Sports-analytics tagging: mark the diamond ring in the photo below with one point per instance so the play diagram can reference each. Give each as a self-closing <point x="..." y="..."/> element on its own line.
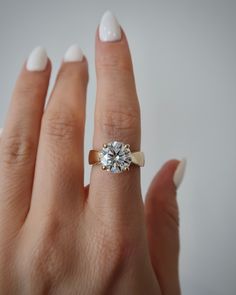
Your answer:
<point x="116" y="157"/>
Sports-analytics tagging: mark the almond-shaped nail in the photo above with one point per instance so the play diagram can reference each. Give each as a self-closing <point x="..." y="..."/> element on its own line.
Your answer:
<point x="37" y="61"/>
<point x="73" y="54"/>
<point x="179" y="173"/>
<point x="109" y="28"/>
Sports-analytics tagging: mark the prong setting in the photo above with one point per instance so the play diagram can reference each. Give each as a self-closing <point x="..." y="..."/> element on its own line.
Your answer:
<point x="115" y="157"/>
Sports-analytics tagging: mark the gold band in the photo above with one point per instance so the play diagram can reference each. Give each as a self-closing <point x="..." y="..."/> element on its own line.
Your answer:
<point x="137" y="158"/>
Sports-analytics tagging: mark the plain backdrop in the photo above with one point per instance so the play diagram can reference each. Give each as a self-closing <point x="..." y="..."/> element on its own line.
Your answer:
<point x="185" y="66"/>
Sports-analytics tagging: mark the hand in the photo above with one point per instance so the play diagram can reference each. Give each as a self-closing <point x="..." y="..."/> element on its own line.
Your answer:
<point x="58" y="236"/>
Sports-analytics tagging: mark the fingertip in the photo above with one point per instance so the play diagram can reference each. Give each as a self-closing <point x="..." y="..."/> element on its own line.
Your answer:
<point x="122" y="43"/>
<point x="73" y="54"/>
<point x="75" y="61"/>
<point x="37" y="60"/>
<point x="113" y="55"/>
<point x="122" y="39"/>
<point x="179" y="173"/>
<point x="49" y="65"/>
<point x="169" y="167"/>
<point x="109" y="28"/>
<point x="45" y="72"/>
<point x="74" y="66"/>
<point x="163" y="179"/>
<point x="33" y="83"/>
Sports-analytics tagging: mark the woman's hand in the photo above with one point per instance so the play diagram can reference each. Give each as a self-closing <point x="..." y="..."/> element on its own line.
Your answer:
<point x="57" y="236"/>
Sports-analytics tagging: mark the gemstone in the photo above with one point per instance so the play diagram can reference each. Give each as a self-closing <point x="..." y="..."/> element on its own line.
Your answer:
<point x="115" y="157"/>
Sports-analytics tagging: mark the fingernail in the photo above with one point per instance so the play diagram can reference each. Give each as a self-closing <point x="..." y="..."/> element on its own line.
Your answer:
<point x="109" y="29"/>
<point x="179" y="173"/>
<point x="37" y="61"/>
<point x="73" y="53"/>
<point x="1" y="130"/>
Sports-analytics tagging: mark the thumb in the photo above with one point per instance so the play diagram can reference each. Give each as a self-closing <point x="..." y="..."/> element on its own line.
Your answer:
<point x="162" y="220"/>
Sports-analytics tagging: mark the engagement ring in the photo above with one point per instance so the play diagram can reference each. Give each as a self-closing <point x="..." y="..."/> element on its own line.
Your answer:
<point x="116" y="157"/>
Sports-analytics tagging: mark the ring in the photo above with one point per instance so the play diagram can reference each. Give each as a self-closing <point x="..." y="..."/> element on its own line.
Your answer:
<point x="116" y="157"/>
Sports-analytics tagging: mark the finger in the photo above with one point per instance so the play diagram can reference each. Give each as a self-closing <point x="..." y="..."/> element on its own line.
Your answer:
<point x="59" y="167"/>
<point x="117" y="117"/>
<point x="161" y="211"/>
<point x="19" y="140"/>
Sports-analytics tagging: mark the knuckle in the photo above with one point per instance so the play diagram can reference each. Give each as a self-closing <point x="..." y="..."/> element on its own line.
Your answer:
<point x="47" y="259"/>
<point x="113" y="62"/>
<point x="60" y="125"/>
<point x="114" y="251"/>
<point x="111" y="244"/>
<point x="120" y="122"/>
<point x="32" y="88"/>
<point x="18" y="150"/>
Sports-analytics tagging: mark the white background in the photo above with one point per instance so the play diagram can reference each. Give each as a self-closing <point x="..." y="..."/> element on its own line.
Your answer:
<point x="185" y="66"/>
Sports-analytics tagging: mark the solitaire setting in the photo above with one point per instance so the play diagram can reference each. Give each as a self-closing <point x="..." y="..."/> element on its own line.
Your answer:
<point x="116" y="157"/>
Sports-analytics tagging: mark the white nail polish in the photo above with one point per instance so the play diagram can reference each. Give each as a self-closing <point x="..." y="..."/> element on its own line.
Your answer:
<point x="109" y="29"/>
<point x="37" y="61"/>
<point x="73" y="53"/>
<point x="1" y="130"/>
<point x="179" y="173"/>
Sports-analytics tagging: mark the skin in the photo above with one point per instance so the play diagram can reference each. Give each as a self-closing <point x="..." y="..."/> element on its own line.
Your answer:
<point x="59" y="237"/>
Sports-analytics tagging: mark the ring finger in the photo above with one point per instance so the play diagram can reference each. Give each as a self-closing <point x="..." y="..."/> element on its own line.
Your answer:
<point x="117" y="117"/>
<point x="58" y="184"/>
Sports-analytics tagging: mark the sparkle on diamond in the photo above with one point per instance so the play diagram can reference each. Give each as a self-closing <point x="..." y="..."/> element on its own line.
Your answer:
<point x="115" y="157"/>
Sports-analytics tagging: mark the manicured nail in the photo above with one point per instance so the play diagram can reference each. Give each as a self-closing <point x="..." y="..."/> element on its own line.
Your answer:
<point x="179" y="173"/>
<point x="1" y="130"/>
<point x="109" y="29"/>
<point x="73" y="53"/>
<point x="37" y="61"/>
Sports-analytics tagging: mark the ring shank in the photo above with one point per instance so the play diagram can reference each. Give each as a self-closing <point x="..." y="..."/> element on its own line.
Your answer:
<point x="137" y="158"/>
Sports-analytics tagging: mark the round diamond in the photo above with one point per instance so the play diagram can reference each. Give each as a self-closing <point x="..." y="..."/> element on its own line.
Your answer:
<point x="115" y="157"/>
